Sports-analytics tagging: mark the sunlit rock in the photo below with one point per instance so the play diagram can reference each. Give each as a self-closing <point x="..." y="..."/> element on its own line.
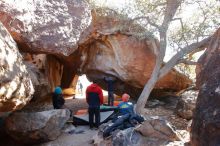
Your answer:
<point x="16" y="88"/>
<point x="36" y="127"/>
<point x="45" y="26"/>
<point x="106" y="45"/>
<point x="111" y="47"/>
<point x="159" y="129"/>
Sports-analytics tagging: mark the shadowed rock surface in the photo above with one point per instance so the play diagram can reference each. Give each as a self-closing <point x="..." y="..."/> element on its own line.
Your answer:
<point x="186" y="104"/>
<point x="36" y="127"/>
<point x="45" y="26"/>
<point x="205" y="126"/>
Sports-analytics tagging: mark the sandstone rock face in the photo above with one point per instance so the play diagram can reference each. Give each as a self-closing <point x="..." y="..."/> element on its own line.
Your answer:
<point x="108" y="50"/>
<point x="45" y="26"/>
<point x="159" y="129"/>
<point x="54" y="71"/>
<point x="36" y="68"/>
<point x="152" y="132"/>
<point x="46" y="73"/>
<point x="128" y="137"/>
<point x="121" y="59"/>
<point x="187" y="104"/>
<point x="105" y="46"/>
<point x="16" y="88"/>
<point x="36" y="127"/>
<point x="38" y="60"/>
<point x="51" y="27"/>
<point x="205" y="126"/>
<point x="40" y="82"/>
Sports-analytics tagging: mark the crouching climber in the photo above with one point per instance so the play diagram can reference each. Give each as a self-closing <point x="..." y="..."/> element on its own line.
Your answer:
<point x="57" y="98"/>
<point x="94" y="98"/>
<point x="125" y="118"/>
<point x="125" y="107"/>
<point x="123" y="122"/>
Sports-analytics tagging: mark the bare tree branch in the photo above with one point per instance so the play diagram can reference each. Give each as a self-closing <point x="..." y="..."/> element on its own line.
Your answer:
<point x="183" y="36"/>
<point x="159" y="71"/>
<point x="173" y="61"/>
<point x="170" y="11"/>
<point x="159" y="4"/>
<point x="148" y="20"/>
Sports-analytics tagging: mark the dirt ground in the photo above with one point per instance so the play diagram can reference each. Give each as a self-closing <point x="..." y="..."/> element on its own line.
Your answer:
<point x="76" y="104"/>
<point x="85" y="136"/>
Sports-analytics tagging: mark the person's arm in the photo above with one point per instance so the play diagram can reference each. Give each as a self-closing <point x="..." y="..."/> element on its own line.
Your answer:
<point x="100" y="96"/>
<point x="87" y="94"/>
<point x="119" y="105"/>
<point x="62" y="99"/>
<point x="131" y="107"/>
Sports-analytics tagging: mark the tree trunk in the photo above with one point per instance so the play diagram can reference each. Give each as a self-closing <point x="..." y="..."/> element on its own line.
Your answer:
<point x="160" y="71"/>
<point x="145" y="94"/>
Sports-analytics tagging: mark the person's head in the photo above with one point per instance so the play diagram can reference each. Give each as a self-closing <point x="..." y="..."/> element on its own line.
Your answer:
<point x="94" y="81"/>
<point x="58" y="90"/>
<point x="125" y="97"/>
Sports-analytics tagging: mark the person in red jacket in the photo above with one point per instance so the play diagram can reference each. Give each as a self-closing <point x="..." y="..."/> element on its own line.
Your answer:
<point x="94" y="98"/>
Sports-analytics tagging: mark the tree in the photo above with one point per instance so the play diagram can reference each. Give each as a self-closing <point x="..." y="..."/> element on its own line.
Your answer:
<point x="165" y="19"/>
<point x="161" y="69"/>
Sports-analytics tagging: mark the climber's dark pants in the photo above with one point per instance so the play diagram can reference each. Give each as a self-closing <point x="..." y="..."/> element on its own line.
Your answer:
<point x="110" y="98"/>
<point x="94" y="111"/>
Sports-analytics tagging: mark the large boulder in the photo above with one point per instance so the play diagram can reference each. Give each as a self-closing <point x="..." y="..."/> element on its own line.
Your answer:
<point x="97" y="44"/>
<point x="51" y="27"/>
<point x="110" y="47"/>
<point x="158" y="129"/>
<point x="128" y="137"/>
<point x="45" y="26"/>
<point x="36" y="68"/>
<point x="16" y="88"/>
<point x="152" y="132"/>
<point x="36" y="127"/>
<point x="205" y="130"/>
